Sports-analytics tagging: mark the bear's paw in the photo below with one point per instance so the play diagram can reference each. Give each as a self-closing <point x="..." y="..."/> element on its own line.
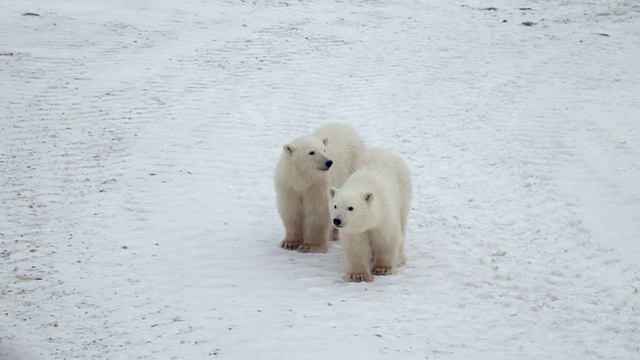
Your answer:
<point x="358" y="277"/>
<point x="382" y="270"/>
<point x="311" y="248"/>
<point x="290" y="244"/>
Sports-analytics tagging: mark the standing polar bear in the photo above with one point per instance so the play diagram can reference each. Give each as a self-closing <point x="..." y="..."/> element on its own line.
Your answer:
<point x="307" y="166"/>
<point x="371" y="210"/>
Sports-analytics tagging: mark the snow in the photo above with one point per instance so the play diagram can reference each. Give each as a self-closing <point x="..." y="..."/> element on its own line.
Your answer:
<point x="138" y="142"/>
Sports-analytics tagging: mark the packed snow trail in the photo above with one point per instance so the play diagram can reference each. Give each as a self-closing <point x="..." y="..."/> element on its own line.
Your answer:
<point x="138" y="143"/>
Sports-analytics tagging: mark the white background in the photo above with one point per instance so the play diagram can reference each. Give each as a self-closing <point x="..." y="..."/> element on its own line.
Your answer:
<point x="138" y="141"/>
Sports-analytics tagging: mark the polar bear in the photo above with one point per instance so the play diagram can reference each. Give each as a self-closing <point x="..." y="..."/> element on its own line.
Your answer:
<point x="307" y="166"/>
<point x="370" y="210"/>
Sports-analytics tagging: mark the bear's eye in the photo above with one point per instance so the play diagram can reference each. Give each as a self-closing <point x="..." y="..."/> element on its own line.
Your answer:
<point x="350" y="208"/>
<point x="312" y="152"/>
<point x="335" y="206"/>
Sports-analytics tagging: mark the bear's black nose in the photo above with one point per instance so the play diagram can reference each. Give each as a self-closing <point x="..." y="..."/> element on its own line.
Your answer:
<point x="328" y="163"/>
<point x="337" y="222"/>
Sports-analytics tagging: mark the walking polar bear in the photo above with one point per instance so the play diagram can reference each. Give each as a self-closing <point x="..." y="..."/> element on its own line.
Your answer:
<point x="371" y="210"/>
<point x="308" y="165"/>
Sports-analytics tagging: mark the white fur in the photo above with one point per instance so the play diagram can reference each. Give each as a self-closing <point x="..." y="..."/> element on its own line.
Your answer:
<point x="371" y="211"/>
<point x="302" y="179"/>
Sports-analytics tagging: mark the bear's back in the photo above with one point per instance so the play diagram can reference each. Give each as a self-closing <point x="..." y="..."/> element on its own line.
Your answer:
<point x="391" y="170"/>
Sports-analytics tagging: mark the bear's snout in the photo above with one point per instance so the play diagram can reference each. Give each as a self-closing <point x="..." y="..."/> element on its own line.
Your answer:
<point x="328" y="163"/>
<point x="337" y="222"/>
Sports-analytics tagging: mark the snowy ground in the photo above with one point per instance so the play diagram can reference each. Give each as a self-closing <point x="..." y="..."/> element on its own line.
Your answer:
<point x="138" y="141"/>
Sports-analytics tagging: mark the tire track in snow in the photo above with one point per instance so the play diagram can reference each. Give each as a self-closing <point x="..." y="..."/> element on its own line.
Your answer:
<point x="531" y="153"/>
<point x="65" y="151"/>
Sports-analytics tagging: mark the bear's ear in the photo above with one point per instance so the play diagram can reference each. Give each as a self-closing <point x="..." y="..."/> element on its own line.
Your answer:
<point x="288" y="149"/>
<point x="325" y="141"/>
<point x="331" y="192"/>
<point x="368" y="197"/>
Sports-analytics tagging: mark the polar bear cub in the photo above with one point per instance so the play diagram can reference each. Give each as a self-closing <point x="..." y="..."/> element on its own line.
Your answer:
<point x="371" y="210"/>
<point x="307" y="166"/>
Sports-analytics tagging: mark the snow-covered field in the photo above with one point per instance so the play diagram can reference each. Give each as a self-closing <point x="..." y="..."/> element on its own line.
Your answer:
<point x="138" y="141"/>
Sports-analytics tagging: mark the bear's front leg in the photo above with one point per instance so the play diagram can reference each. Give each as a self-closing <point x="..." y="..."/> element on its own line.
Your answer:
<point x="316" y="238"/>
<point x="317" y="228"/>
<point x="290" y="208"/>
<point x="293" y="238"/>
<point x="358" y="251"/>
<point x="386" y="248"/>
<point x="335" y="235"/>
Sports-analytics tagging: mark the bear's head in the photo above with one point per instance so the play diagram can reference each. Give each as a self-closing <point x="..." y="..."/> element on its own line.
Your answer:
<point x="308" y="155"/>
<point x="352" y="211"/>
